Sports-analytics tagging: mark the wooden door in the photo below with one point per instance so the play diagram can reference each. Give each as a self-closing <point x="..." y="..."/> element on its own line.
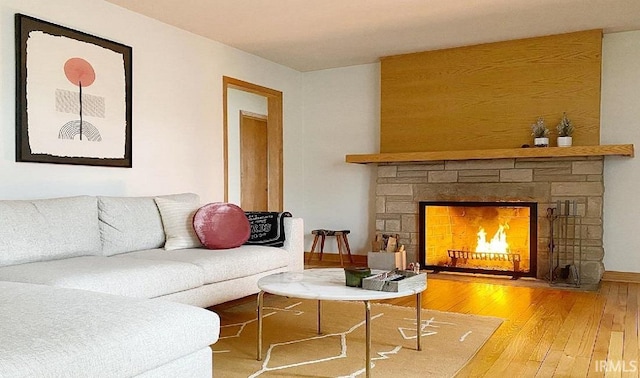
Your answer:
<point x="254" y="176"/>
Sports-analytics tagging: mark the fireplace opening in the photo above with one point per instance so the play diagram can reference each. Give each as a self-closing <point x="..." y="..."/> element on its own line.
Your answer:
<point x="479" y="237"/>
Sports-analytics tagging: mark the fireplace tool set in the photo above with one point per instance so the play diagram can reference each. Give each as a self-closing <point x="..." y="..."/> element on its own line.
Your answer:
<point x="565" y="244"/>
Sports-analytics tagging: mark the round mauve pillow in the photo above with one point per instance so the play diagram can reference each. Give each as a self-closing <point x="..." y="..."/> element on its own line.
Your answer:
<point x="221" y="225"/>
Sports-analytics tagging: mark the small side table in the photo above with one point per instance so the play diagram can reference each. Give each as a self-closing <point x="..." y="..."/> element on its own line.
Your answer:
<point x="341" y="239"/>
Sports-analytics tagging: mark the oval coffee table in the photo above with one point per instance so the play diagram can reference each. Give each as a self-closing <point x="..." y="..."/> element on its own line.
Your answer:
<point x="328" y="284"/>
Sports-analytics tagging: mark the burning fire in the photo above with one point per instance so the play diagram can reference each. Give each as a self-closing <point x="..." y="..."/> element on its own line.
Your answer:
<point x="498" y="243"/>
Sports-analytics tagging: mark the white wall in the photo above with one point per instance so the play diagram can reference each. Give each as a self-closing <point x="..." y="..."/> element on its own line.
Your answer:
<point x="177" y="108"/>
<point x="237" y="101"/>
<point x="341" y="116"/>
<point x="620" y="123"/>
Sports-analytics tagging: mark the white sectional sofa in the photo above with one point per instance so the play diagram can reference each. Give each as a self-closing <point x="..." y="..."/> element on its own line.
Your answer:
<point x="86" y="288"/>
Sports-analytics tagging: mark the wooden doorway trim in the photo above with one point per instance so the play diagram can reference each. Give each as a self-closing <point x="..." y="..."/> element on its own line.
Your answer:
<point x="274" y="137"/>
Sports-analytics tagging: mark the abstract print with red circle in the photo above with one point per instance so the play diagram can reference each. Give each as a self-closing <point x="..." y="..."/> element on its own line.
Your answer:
<point x="81" y="74"/>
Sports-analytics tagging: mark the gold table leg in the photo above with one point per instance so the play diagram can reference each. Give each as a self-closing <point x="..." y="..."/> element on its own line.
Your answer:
<point x="259" y="315"/>
<point x="367" y="312"/>
<point x="419" y="321"/>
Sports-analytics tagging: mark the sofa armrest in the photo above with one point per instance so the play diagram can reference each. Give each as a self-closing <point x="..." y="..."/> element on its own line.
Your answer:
<point x="294" y="242"/>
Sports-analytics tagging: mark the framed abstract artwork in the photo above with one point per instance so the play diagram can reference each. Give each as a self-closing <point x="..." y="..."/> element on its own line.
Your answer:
<point x="73" y="96"/>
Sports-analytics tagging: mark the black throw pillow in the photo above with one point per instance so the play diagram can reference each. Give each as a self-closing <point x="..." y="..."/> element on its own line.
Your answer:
<point x="267" y="228"/>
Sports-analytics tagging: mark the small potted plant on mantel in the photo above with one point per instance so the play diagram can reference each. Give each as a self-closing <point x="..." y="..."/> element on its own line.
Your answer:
<point x="565" y="132"/>
<point x="540" y="133"/>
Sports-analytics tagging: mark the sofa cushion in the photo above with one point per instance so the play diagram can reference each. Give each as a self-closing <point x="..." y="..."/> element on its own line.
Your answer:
<point x="53" y="332"/>
<point x="177" y="221"/>
<point x="123" y="276"/>
<point x="37" y="230"/>
<point x="222" y="264"/>
<point x="133" y="223"/>
<point x="221" y="225"/>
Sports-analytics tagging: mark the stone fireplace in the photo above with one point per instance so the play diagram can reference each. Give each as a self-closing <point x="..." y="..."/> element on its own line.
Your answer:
<point x="541" y="182"/>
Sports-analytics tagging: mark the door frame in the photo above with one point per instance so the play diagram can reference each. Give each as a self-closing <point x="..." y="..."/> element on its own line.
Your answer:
<point x="274" y="138"/>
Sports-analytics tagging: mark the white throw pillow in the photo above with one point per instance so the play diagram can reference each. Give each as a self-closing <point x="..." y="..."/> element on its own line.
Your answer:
<point x="177" y="221"/>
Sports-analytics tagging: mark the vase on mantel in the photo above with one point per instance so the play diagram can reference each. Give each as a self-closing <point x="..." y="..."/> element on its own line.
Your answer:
<point x="565" y="141"/>
<point x="541" y="142"/>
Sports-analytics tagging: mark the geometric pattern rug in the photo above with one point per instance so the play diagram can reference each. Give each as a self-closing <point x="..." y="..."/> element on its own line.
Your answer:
<point x="292" y="348"/>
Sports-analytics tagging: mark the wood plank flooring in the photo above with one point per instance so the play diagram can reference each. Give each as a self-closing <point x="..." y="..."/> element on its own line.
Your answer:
<point x="548" y="332"/>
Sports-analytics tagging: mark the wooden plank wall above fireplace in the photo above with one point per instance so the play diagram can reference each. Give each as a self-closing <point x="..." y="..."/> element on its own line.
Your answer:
<point x="487" y="96"/>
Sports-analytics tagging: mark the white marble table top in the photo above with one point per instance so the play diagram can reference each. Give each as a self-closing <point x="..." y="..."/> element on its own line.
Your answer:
<point x="324" y="284"/>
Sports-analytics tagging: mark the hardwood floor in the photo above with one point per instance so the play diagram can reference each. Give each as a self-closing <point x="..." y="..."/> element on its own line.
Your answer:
<point x="547" y="332"/>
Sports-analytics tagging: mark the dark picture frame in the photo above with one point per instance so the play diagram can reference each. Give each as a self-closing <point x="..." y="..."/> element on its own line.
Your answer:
<point x="73" y="96"/>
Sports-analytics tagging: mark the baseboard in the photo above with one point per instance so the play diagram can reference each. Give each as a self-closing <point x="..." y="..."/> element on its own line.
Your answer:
<point x="621" y="276"/>
<point x="331" y="257"/>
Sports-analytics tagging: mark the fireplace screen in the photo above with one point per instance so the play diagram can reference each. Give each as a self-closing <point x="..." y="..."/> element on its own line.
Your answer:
<point x="479" y="237"/>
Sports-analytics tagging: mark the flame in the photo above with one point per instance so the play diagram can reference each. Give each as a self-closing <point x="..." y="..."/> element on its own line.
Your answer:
<point x="498" y="243"/>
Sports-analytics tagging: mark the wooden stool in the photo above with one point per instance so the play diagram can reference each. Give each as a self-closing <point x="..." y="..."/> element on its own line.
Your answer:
<point x="341" y="239"/>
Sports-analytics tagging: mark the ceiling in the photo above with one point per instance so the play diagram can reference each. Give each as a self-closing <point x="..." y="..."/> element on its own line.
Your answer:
<point x="309" y="35"/>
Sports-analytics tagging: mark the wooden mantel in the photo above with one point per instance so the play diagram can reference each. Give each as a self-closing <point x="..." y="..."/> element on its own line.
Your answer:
<point x="508" y="153"/>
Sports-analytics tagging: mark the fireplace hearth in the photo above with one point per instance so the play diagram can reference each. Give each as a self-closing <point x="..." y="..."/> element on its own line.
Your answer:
<point x="479" y="237"/>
